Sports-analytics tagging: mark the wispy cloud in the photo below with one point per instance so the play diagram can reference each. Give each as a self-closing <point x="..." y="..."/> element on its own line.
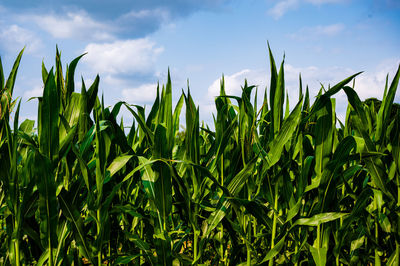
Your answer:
<point x="73" y="25"/>
<point x="98" y="19"/>
<point x="37" y="91"/>
<point x="142" y="94"/>
<point x="123" y="56"/>
<point x="283" y="6"/>
<point x="280" y="8"/>
<point x="159" y="13"/>
<point x="14" y="37"/>
<point x="307" y="33"/>
<point x="234" y="82"/>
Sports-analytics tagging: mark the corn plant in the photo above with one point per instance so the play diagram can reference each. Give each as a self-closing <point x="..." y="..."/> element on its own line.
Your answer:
<point x="269" y="185"/>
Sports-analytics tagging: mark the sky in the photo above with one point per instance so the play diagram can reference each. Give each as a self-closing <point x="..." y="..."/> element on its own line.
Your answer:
<point x="132" y="44"/>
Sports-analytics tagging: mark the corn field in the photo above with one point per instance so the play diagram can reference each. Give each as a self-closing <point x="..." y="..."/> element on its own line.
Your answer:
<point x="267" y="185"/>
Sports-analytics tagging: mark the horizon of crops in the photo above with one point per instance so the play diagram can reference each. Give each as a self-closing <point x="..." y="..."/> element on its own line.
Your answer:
<point x="269" y="185"/>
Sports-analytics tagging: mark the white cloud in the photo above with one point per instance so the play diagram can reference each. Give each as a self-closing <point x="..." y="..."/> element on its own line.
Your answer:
<point x="141" y="94"/>
<point x="127" y="56"/>
<point x="372" y="83"/>
<point x="234" y="82"/>
<point x="280" y="8"/>
<point x="368" y="84"/>
<point x="307" y="33"/>
<point x="159" y="13"/>
<point x="14" y="38"/>
<point x="37" y="91"/>
<point x="283" y="6"/>
<point x="75" y="25"/>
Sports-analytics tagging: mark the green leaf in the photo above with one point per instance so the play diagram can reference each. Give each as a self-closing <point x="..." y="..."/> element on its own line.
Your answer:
<point x="118" y="163"/>
<point x="323" y="137"/>
<point x="234" y="187"/>
<point x="27" y="126"/>
<point x="294" y="210"/>
<point x="142" y="123"/>
<point x="276" y="146"/>
<point x="126" y="259"/>
<point x="319" y="255"/>
<point x="275" y="250"/>
<point x="74" y="217"/>
<point x="100" y="161"/>
<point x="319" y="219"/>
<point x="70" y="84"/>
<point x="374" y="165"/>
<point x="383" y="119"/>
<point x="47" y="201"/>
<point x="13" y="74"/>
<point x="49" y="106"/>
<point x="92" y="94"/>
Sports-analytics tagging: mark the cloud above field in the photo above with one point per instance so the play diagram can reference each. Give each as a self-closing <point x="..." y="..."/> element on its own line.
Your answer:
<point x="283" y="6"/>
<point x="14" y="37"/>
<point x="73" y="25"/>
<point x="319" y="31"/>
<point x="372" y="83"/>
<point x="122" y="56"/>
<point x="235" y="81"/>
<point x="99" y="18"/>
<point x="131" y="44"/>
<point x="37" y="91"/>
<point x="145" y="93"/>
<point x="368" y="84"/>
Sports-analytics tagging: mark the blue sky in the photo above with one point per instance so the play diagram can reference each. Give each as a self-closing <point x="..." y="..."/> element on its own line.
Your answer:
<point x="131" y="44"/>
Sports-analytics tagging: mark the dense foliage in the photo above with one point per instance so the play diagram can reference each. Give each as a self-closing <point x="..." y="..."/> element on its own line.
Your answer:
<point x="267" y="186"/>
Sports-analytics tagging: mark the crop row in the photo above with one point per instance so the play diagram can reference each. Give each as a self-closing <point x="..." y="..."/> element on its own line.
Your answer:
<point x="269" y="185"/>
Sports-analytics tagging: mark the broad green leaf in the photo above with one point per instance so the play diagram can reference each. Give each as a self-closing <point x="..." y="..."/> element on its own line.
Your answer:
<point x="383" y="119"/>
<point x="323" y="136"/>
<point x="70" y="84"/>
<point x="276" y="146"/>
<point x="47" y="201"/>
<point x="319" y="255"/>
<point x="13" y="74"/>
<point x="49" y="107"/>
<point x="118" y="163"/>
<point x="27" y="126"/>
<point x="319" y="219"/>
<point x="126" y="259"/>
<point x="294" y="210"/>
<point x="374" y="165"/>
<point x="100" y="161"/>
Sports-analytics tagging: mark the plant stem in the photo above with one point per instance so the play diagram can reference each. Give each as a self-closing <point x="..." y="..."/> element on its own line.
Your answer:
<point x="98" y="235"/>
<point x="16" y="247"/>
<point x="398" y="223"/>
<point x="248" y="222"/>
<point x="248" y="241"/>
<point x="221" y="229"/>
<point x="195" y="243"/>
<point x="51" y="263"/>
<point x="142" y="261"/>
<point x="377" y="258"/>
<point x="274" y="221"/>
